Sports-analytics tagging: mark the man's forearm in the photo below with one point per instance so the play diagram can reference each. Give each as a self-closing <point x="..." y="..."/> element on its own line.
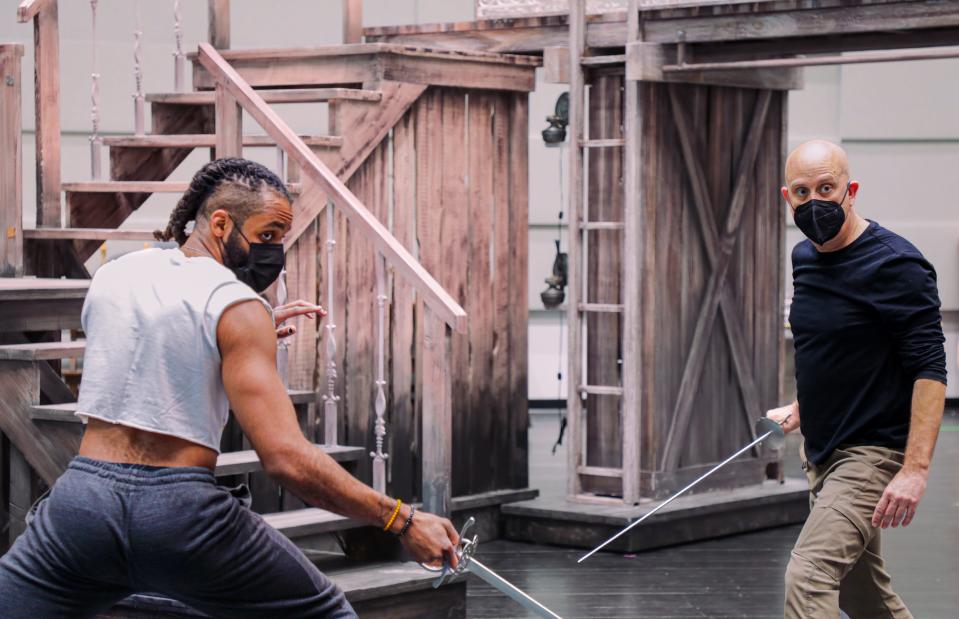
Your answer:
<point x="928" y="401"/>
<point x="319" y="480"/>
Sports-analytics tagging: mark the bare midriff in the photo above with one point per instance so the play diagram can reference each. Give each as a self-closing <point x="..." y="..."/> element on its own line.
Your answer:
<point x="118" y="443"/>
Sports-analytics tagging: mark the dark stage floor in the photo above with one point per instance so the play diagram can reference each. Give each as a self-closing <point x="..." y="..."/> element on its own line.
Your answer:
<point x="738" y="576"/>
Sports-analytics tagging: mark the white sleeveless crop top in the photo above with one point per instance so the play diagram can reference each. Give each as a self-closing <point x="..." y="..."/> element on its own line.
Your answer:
<point x="151" y="359"/>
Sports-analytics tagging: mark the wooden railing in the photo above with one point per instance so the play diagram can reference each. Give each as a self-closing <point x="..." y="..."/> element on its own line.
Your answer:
<point x="442" y="314"/>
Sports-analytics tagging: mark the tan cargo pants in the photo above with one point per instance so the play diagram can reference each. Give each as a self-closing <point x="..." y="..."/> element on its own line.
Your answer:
<point x="836" y="562"/>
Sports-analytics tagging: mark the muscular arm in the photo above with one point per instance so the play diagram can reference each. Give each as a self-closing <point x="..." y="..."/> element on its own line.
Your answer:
<point x="902" y="495"/>
<point x="247" y="342"/>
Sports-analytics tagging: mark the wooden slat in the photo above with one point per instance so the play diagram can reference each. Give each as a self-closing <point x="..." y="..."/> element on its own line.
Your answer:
<point x="11" y="174"/>
<point x="600" y="390"/>
<point x="362" y="219"/>
<point x="518" y="166"/>
<point x="140" y="187"/>
<point x="607" y="308"/>
<point x="46" y="38"/>
<point x="437" y="414"/>
<point x="603" y="143"/>
<point x="598" y="61"/>
<point x="219" y="23"/>
<point x="247" y="461"/>
<point x="273" y="97"/>
<point x="209" y="141"/>
<point x="600" y="471"/>
<point x="577" y="101"/>
<point x="601" y="225"/>
<point x="42" y="351"/>
<point x="556" y="65"/>
<point x="403" y="414"/>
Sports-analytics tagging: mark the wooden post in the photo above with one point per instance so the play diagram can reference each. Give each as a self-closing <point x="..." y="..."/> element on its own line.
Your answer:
<point x="577" y="89"/>
<point x="11" y="189"/>
<point x="229" y="124"/>
<point x="219" y="23"/>
<point x="352" y="21"/>
<point x="437" y="414"/>
<point x="46" y="39"/>
<point x="632" y="274"/>
<point x="20" y="493"/>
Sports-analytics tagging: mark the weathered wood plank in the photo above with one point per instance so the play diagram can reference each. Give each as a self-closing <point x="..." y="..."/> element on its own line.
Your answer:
<point x="517" y="443"/>
<point x="403" y="437"/>
<point x="352" y="21"/>
<point x="11" y="183"/>
<point x="46" y="38"/>
<point x="437" y="414"/>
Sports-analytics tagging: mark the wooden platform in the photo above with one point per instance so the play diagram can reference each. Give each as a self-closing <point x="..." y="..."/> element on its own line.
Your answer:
<point x="553" y="520"/>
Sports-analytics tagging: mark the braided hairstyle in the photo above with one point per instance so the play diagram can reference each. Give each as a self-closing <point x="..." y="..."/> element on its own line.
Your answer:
<point x="230" y="183"/>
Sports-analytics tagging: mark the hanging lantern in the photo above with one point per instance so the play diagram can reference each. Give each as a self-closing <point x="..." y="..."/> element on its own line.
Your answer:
<point x="555" y="294"/>
<point x="556" y="132"/>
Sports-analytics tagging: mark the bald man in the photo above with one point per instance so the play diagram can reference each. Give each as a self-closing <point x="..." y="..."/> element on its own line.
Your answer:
<point x="870" y="375"/>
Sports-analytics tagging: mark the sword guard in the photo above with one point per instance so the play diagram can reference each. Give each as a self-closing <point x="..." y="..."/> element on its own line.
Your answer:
<point x="464" y="552"/>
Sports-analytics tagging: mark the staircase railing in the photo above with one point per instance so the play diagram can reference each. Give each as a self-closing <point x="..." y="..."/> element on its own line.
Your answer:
<point x="442" y="314"/>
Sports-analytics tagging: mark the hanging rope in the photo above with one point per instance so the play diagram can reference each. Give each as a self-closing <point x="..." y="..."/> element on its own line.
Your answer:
<point x="138" y="122"/>
<point x="178" y="55"/>
<point x="95" y="140"/>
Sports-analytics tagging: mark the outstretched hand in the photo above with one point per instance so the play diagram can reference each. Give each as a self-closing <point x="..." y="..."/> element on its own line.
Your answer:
<point x="432" y="540"/>
<point x="900" y="499"/>
<point x="299" y="307"/>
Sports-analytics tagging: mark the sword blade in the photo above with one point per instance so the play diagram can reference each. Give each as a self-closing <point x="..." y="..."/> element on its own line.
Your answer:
<point x="508" y="589"/>
<point x="677" y="495"/>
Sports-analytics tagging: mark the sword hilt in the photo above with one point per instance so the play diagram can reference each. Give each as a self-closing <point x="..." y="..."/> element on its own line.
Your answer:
<point x="464" y="553"/>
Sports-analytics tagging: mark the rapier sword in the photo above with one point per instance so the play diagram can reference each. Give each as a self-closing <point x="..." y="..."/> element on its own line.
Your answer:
<point x="464" y="553"/>
<point x="766" y="426"/>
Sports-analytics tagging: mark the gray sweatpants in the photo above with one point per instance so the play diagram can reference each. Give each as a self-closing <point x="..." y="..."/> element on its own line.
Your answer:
<point x="109" y="530"/>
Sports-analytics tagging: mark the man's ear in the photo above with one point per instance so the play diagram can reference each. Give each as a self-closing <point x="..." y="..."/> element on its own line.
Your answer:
<point x="220" y="223"/>
<point x="853" y="191"/>
<point x="785" y="193"/>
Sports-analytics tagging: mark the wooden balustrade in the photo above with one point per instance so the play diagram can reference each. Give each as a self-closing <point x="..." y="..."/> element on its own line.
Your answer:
<point x="11" y="190"/>
<point x="442" y="314"/>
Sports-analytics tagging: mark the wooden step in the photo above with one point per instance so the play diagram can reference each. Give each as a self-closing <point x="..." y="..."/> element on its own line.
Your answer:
<point x="43" y="351"/>
<point x="204" y="140"/>
<point x="239" y="462"/>
<point x="273" y="96"/>
<point x="139" y="187"/>
<point x="308" y="522"/>
<point x="378" y="590"/>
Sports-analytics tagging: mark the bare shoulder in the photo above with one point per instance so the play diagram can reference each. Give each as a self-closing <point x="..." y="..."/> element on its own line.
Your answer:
<point x="245" y="324"/>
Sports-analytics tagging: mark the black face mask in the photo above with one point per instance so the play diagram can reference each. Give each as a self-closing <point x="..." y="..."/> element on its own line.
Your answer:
<point x="820" y="220"/>
<point x="259" y="266"/>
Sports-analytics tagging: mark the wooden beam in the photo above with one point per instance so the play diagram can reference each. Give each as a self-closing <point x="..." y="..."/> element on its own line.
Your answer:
<point x="352" y="21"/>
<point x="556" y="65"/>
<point x="717" y="282"/>
<point x="219" y="23"/>
<point x="11" y="165"/>
<point x="46" y="38"/>
<point x="815" y="61"/>
<point x="229" y="124"/>
<point x="369" y="226"/>
<point x="574" y="377"/>
<point x="647" y="62"/>
<point x="437" y="414"/>
<point x="632" y="264"/>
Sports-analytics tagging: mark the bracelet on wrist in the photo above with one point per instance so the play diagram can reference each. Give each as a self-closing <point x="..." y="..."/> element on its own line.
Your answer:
<point x="396" y="512"/>
<point x="408" y="523"/>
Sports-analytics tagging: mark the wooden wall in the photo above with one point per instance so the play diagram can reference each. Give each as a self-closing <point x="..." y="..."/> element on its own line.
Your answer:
<point x="451" y="184"/>
<point x="675" y="253"/>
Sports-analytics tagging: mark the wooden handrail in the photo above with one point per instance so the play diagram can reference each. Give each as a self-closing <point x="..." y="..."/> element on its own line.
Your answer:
<point x="29" y="8"/>
<point x="434" y="295"/>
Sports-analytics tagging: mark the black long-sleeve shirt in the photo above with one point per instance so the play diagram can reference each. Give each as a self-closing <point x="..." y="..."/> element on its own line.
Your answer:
<point x="866" y="324"/>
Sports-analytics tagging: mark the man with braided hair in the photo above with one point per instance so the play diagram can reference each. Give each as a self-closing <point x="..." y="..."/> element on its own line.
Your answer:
<point x="175" y="338"/>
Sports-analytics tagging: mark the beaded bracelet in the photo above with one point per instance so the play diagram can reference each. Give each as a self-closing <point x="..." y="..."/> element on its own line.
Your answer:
<point x="409" y="522"/>
<point x="396" y="512"/>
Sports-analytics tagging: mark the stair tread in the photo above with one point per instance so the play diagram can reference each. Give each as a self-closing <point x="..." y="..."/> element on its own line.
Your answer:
<point x="288" y="95"/>
<point x="358" y="582"/>
<point x="200" y="140"/>
<point x="309" y="521"/>
<point x="41" y="351"/>
<point x="139" y="187"/>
